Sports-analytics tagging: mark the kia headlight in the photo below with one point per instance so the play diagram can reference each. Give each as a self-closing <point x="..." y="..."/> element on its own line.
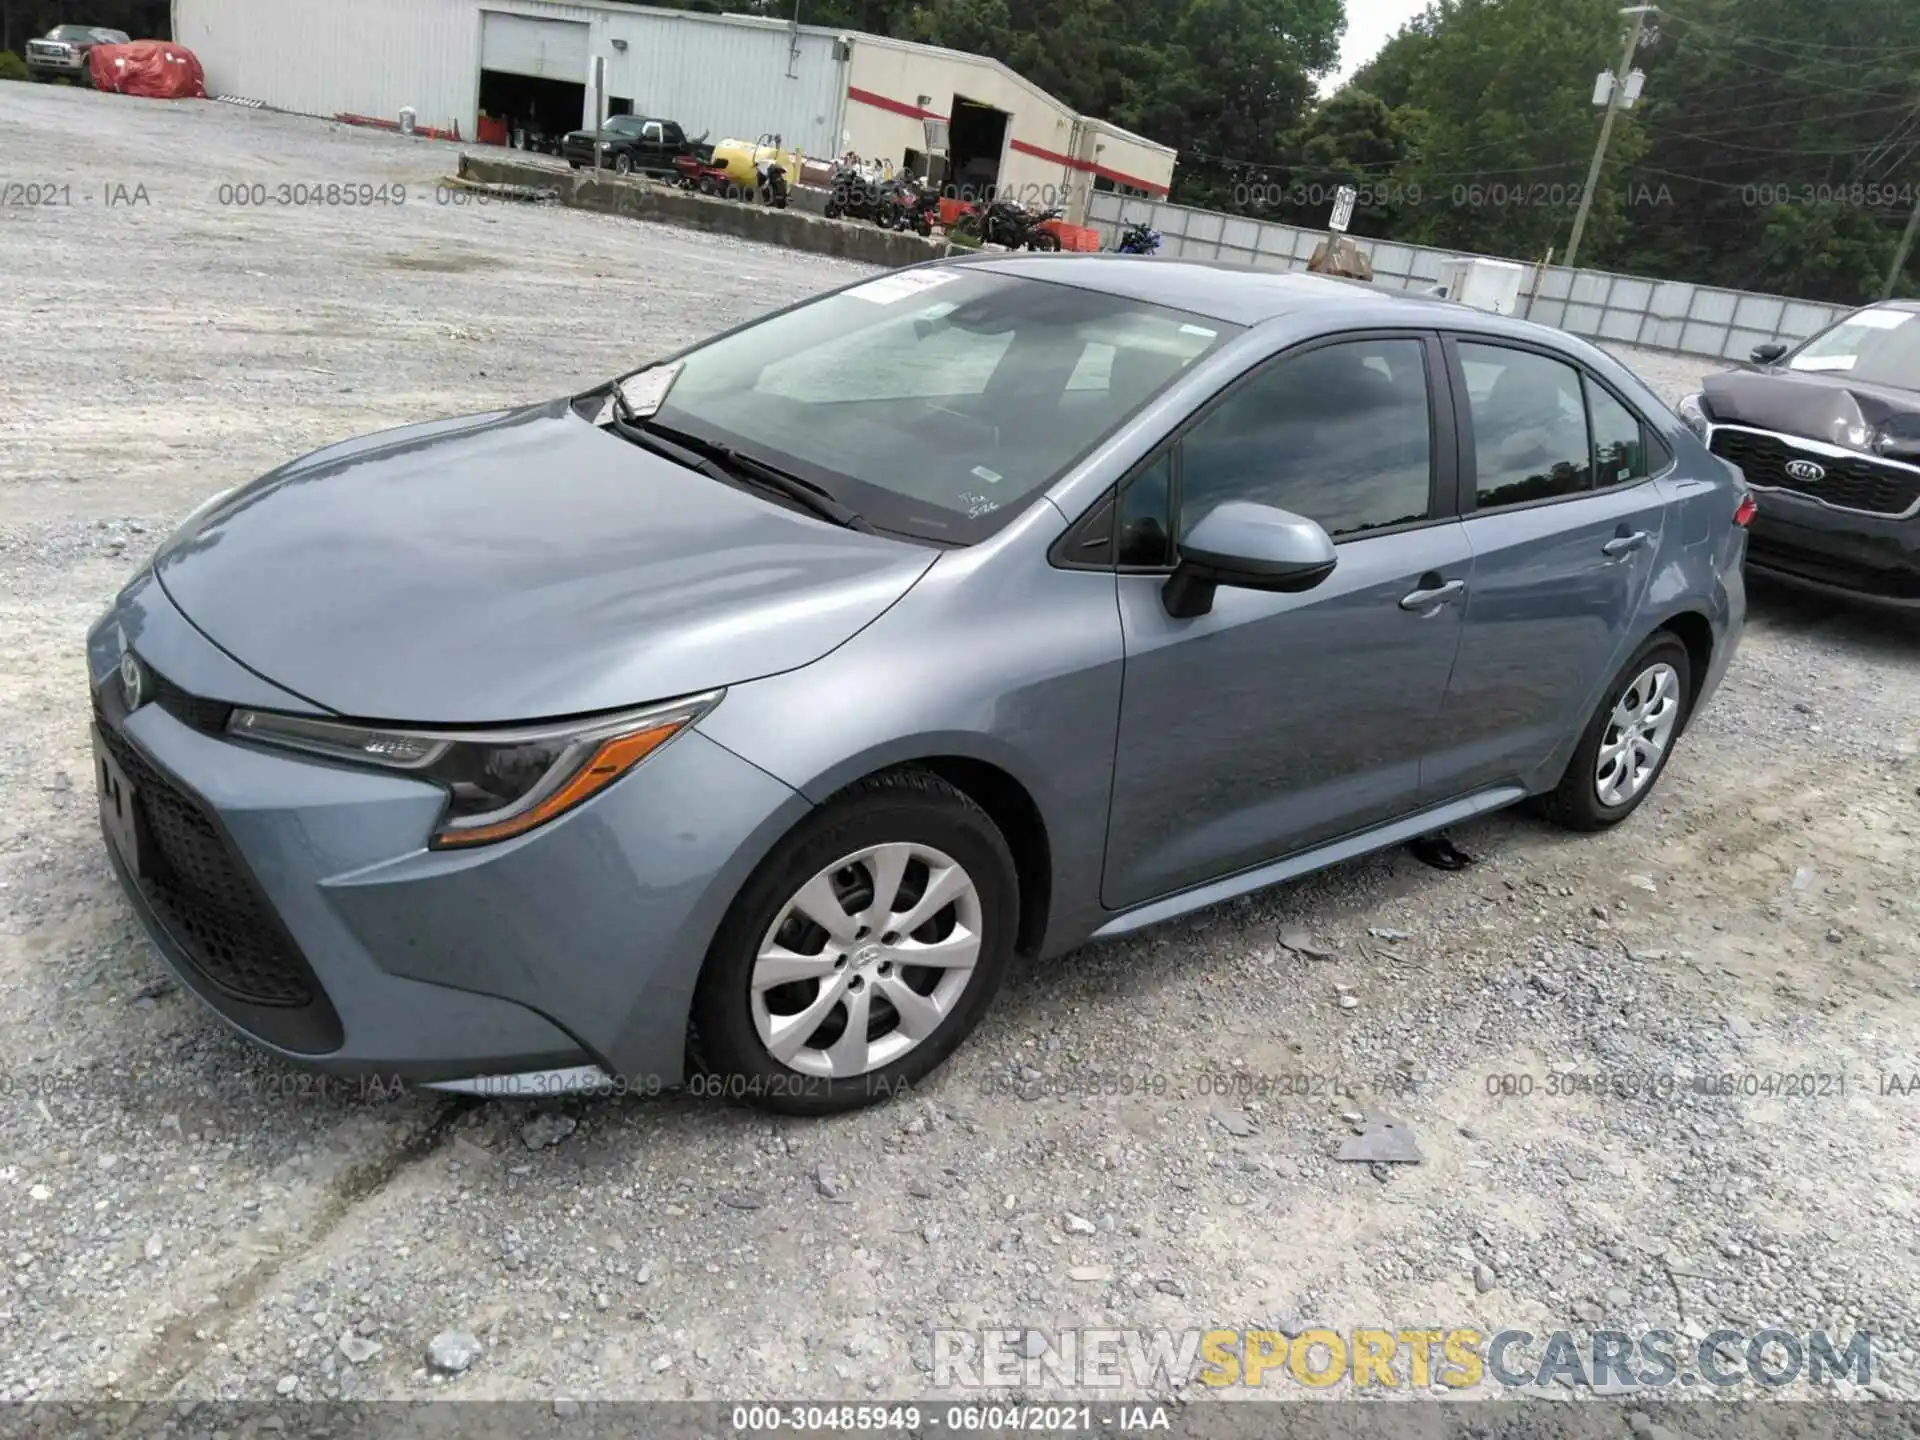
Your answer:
<point x="499" y="783"/>
<point x="1693" y="410"/>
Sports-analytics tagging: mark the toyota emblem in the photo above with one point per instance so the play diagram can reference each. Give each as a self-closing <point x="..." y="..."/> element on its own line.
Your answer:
<point x="1806" y="472"/>
<point x="133" y="680"/>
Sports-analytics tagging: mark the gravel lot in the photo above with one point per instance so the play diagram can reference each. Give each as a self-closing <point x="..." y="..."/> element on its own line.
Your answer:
<point x="180" y="1220"/>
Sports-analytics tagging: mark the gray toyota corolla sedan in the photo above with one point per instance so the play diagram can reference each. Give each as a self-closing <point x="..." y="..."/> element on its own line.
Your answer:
<point x="753" y="712"/>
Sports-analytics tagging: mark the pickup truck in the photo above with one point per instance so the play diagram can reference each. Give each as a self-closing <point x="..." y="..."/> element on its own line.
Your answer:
<point x="633" y="144"/>
<point x="61" y="54"/>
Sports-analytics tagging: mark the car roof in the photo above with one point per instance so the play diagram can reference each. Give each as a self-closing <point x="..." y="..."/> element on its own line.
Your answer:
<point x="1220" y="290"/>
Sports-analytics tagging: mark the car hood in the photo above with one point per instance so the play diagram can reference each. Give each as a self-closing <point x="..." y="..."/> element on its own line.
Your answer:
<point x="520" y="565"/>
<point x="1833" y="408"/>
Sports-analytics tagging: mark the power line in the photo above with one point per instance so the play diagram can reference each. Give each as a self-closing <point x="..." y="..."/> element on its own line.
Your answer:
<point x="1708" y="27"/>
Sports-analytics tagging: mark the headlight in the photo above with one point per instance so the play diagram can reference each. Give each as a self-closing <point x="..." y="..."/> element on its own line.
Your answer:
<point x="499" y="783"/>
<point x="1693" y="410"/>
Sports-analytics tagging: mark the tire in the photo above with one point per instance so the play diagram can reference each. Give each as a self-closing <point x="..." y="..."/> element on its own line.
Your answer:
<point x="1044" y="242"/>
<point x="969" y="226"/>
<point x="910" y="816"/>
<point x="623" y="164"/>
<point x="832" y="211"/>
<point x="1584" y="799"/>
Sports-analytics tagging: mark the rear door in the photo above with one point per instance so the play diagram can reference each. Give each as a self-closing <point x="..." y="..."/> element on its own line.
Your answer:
<point x="1564" y="519"/>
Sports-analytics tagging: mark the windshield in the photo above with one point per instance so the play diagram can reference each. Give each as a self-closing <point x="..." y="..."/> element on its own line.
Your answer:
<point x="1880" y="346"/>
<point x="85" y="34"/>
<point x="936" y="401"/>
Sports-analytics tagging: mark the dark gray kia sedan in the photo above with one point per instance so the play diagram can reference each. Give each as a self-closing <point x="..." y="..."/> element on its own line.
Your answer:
<point x="747" y="716"/>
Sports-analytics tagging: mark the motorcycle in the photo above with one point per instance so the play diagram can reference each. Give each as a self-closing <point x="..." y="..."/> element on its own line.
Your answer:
<point x="856" y="195"/>
<point x="1009" y="223"/>
<point x="905" y="205"/>
<point x="771" y="184"/>
<point x="1138" y="240"/>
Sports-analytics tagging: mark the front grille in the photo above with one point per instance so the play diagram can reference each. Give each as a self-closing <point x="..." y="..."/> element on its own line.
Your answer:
<point x="1851" y="482"/>
<point x="202" y="894"/>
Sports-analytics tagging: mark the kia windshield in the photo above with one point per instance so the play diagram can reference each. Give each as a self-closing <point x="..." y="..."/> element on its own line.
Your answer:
<point x="1880" y="346"/>
<point x="935" y="402"/>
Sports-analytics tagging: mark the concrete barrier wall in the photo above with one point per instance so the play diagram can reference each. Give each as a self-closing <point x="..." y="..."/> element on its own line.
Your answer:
<point x="1597" y="304"/>
<point x="647" y="200"/>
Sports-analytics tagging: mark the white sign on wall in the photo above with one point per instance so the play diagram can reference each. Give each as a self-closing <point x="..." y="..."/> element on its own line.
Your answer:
<point x="1342" y="209"/>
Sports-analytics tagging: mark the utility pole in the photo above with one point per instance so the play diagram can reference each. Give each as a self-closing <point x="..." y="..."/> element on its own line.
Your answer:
<point x="1906" y="249"/>
<point x="1615" y="93"/>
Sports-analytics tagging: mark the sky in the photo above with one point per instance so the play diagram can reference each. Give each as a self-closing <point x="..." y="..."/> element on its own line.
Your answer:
<point x="1370" y="24"/>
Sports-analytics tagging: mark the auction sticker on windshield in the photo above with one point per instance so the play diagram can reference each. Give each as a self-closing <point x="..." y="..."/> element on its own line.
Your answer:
<point x="890" y="288"/>
<point x="1882" y="319"/>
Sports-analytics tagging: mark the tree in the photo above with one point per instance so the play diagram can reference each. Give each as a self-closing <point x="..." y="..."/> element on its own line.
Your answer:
<point x="1351" y="138"/>
<point x="1508" y="129"/>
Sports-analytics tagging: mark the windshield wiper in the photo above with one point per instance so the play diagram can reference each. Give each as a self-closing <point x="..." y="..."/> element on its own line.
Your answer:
<point x="724" y="463"/>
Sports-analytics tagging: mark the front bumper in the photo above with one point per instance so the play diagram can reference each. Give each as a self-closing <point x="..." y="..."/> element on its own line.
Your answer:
<point x="297" y="899"/>
<point x="59" y="65"/>
<point x="1870" y="558"/>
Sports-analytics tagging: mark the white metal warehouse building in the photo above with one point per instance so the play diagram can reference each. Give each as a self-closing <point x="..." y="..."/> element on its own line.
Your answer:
<point x="729" y="76"/>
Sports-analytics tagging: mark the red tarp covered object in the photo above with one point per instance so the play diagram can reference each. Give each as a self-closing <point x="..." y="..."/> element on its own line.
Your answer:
<point x="155" y="68"/>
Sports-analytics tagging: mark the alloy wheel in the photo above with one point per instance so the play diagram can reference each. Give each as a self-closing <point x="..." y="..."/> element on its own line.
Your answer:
<point x="866" y="960"/>
<point x="1637" y="735"/>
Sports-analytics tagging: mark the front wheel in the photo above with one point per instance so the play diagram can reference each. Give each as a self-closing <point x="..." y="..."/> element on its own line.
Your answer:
<point x="863" y="950"/>
<point x="1628" y="741"/>
<point x="623" y="164"/>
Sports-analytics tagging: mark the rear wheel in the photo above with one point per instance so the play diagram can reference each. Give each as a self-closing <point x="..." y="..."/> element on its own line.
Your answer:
<point x="863" y="950"/>
<point x="1628" y="741"/>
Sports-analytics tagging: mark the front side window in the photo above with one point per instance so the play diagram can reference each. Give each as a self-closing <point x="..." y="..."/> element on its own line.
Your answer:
<point x="937" y="402"/>
<point x="1342" y="435"/>
<point x="1529" y="418"/>
<point x="1142" y="536"/>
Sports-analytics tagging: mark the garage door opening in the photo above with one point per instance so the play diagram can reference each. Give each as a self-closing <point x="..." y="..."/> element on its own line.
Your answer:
<point x="533" y="76"/>
<point x="534" y="113"/>
<point x="976" y="136"/>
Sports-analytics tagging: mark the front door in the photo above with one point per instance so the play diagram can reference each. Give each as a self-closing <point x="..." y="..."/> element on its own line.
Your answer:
<point x="1276" y="722"/>
<point x="1565" y="527"/>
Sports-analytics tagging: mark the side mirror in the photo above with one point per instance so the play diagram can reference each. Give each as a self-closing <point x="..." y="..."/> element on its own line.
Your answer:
<point x="1768" y="353"/>
<point x="1247" y="547"/>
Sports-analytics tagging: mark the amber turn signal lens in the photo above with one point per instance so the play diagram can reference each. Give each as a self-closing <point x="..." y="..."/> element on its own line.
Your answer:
<point x="607" y="763"/>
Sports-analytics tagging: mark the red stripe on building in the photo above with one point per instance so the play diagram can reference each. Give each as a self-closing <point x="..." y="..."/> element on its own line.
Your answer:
<point x="900" y="107"/>
<point x="1118" y="177"/>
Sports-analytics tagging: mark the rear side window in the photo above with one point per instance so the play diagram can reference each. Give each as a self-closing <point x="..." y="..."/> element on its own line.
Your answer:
<point x="1530" y="436"/>
<point x="1619" y="440"/>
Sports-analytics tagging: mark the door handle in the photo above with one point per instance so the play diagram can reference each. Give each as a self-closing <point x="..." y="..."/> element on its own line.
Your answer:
<point x="1625" y="544"/>
<point x="1429" y="596"/>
